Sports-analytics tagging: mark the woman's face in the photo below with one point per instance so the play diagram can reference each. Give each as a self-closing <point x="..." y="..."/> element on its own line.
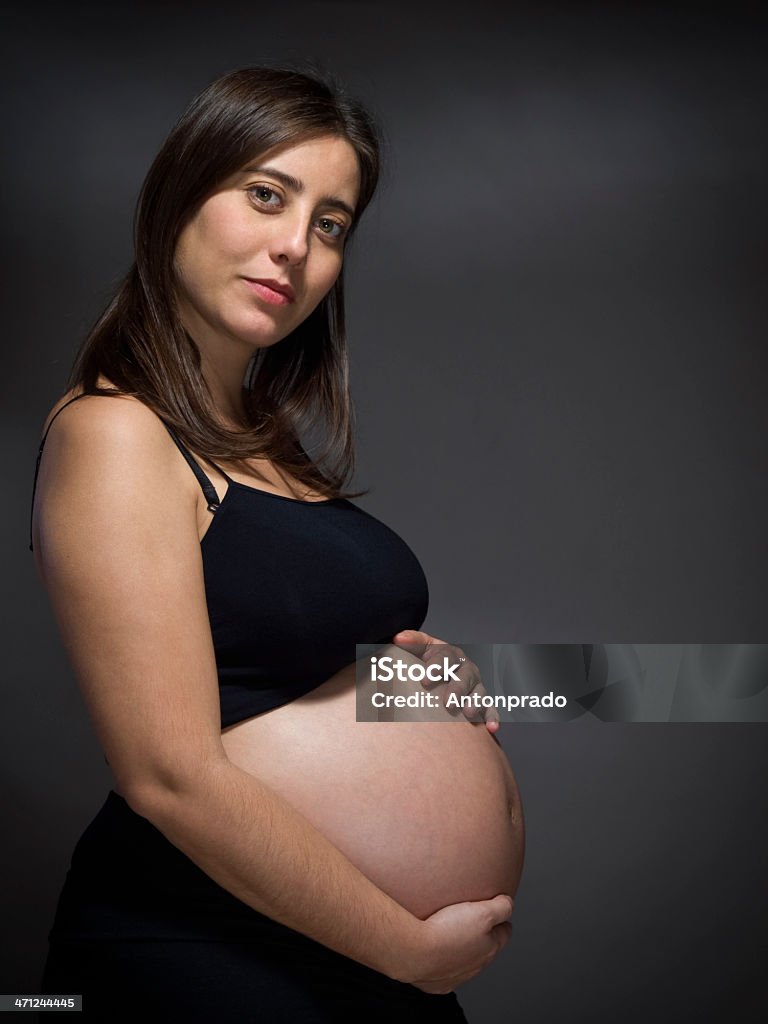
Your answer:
<point x="282" y="219"/>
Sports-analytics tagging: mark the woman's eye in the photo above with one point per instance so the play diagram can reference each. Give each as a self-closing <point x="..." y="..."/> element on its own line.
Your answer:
<point x="331" y="227"/>
<point x="263" y="194"/>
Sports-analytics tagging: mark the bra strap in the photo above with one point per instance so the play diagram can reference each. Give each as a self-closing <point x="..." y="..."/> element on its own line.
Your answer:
<point x="39" y="457"/>
<point x="209" y="490"/>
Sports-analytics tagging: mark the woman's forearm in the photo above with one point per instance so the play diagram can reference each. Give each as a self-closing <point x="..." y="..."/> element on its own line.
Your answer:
<point x="257" y="846"/>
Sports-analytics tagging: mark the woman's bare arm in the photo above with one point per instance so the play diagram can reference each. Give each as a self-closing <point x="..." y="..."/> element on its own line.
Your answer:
<point x="117" y="548"/>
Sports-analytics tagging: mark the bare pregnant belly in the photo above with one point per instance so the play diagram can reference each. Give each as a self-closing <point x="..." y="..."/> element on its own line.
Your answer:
<point x="429" y="811"/>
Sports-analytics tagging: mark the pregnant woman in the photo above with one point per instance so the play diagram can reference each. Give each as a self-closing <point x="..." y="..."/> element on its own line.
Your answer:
<point x="263" y="856"/>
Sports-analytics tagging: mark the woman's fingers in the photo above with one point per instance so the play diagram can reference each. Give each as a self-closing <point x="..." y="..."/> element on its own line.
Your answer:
<point x="500" y="908"/>
<point x="481" y="928"/>
<point x="492" y="720"/>
<point x="467" y="676"/>
<point x="417" y="641"/>
<point x="502" y="933"/>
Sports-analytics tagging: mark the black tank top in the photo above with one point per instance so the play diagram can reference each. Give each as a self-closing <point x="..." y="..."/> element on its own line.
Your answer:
<point x="292" y="586"/>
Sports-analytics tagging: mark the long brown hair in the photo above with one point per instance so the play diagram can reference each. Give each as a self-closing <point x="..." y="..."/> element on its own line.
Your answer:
<point x="300" y="384"/>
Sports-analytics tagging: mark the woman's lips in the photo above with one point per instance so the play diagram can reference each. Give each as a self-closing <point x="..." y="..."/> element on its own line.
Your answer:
<point x="275" y="298"/>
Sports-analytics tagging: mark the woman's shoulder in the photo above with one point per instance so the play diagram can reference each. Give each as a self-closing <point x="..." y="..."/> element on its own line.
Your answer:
<point x="115" y="417"/>
<point x="110" y="436"/>
<point x="108" y="454"/>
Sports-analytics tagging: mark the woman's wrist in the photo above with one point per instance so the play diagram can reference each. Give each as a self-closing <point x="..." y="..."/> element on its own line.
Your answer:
<point x="402" y="957"/>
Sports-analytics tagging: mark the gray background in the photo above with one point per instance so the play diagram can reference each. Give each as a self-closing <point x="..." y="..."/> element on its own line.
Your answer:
<point x="558" y="324"/>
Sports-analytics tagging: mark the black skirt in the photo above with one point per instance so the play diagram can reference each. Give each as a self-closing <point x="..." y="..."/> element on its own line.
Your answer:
<point x="140" y="929"/>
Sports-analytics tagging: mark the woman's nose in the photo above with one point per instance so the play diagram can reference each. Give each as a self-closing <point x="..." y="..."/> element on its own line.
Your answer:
<point x="290" y="240"/>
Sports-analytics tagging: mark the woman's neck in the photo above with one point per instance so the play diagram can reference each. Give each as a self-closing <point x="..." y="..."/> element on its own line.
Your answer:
<point x="225" y="378"/>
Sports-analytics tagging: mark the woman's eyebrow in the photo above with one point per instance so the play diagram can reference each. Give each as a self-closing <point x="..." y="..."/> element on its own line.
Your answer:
<point x="298" y="186"/>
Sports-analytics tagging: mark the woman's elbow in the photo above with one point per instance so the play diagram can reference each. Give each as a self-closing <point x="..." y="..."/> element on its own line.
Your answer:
<point x="152" y="793"/>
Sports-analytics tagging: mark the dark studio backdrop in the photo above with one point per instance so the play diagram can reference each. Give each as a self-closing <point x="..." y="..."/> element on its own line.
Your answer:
<point x="557" y="321"/>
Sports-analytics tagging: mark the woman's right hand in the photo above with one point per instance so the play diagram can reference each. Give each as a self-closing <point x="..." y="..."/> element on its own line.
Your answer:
<point x="457" y="942"/>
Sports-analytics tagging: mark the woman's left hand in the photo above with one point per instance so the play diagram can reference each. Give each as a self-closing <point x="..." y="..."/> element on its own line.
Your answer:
<point x="429" y="648"/>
